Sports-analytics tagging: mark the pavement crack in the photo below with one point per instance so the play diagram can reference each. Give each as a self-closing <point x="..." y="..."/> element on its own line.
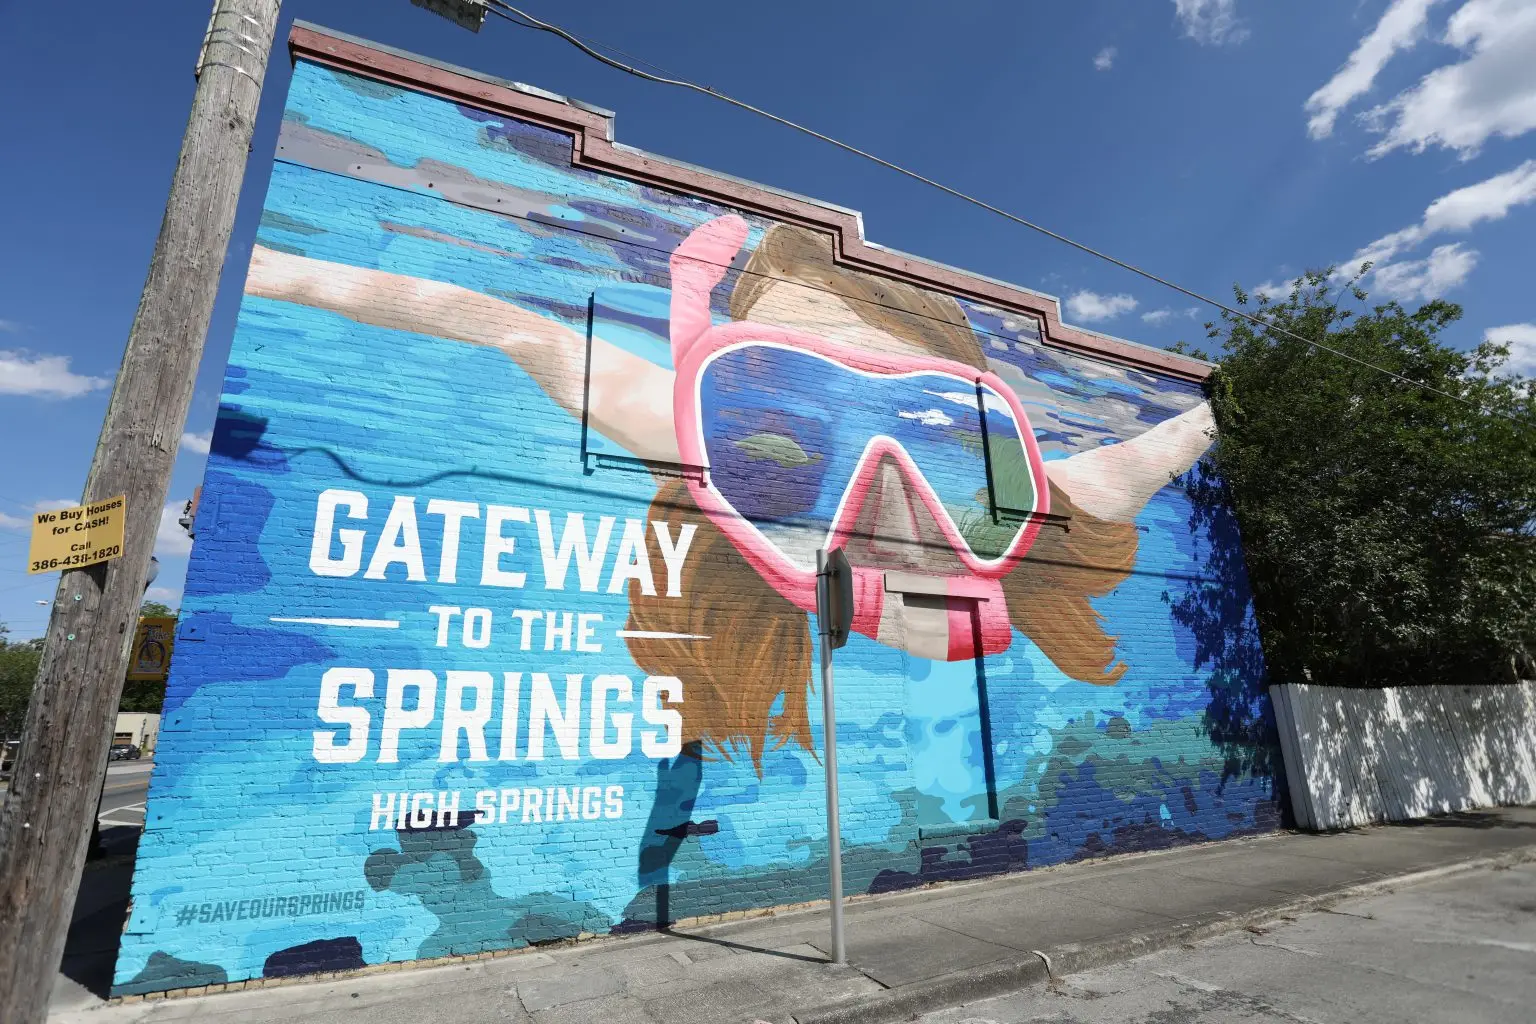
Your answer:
<point x="1289" y="949"/>
<point x="1187" y="982"/>
<point x="977" y="938"/>
<point x="1346" y="913"/>
<point x="1518" y="947"/>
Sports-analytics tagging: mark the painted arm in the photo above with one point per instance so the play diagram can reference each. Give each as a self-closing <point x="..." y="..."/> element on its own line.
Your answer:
<point x="1115" y="482"/>
<point x="631" y="398"/>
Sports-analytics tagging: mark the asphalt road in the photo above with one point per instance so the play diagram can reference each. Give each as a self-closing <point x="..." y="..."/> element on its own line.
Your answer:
<point x="122" y="800"/>
<point x="122" y="797"/>
<point x="1462" y="949"/>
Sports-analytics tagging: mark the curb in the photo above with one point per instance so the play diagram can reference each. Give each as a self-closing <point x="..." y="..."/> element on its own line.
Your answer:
<point x="908" y="1001"/>
<point x="996" y="979"/>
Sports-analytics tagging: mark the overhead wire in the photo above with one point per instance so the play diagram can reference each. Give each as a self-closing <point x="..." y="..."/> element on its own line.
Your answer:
<point x="514" y="14"/>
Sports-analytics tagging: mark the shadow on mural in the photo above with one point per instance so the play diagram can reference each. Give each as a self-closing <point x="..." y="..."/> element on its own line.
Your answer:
<point x="1218" y="611"/>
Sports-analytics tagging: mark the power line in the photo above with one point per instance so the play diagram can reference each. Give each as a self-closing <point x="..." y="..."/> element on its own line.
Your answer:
<point x="501" y="8"/>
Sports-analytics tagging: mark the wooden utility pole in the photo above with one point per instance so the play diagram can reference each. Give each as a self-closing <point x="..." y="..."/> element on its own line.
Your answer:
<point x="46" y="820"/>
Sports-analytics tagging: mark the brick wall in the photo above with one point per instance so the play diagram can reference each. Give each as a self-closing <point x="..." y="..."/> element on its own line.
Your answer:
<point x="476" y="652"/>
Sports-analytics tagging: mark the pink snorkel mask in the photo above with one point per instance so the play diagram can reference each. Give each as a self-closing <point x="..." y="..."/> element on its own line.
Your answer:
<point x="902" y="460"/>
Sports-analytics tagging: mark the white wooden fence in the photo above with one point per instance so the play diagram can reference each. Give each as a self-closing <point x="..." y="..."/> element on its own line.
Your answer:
<point x="1355" y="756"/>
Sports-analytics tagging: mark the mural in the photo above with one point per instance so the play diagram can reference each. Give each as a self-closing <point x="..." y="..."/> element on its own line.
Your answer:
<point x="499" y="624"/>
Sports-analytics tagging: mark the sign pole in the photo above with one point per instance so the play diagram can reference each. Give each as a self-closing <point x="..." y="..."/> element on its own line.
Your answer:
<point x="829" y="724"/>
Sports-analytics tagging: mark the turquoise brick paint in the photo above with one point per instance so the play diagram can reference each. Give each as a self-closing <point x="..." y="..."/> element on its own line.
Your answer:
<point x="415" y="334"/>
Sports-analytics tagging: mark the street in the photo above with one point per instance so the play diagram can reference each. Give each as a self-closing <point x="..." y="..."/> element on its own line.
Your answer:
<point x="122" y="799"/>
<point x="1460" y="949"/>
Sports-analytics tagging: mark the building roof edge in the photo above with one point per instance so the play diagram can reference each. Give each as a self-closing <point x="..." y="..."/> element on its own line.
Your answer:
<point x="594" y="147"/>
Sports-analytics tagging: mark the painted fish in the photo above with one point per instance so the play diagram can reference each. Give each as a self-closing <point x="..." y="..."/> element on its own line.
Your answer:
<point x="786" y="451"/>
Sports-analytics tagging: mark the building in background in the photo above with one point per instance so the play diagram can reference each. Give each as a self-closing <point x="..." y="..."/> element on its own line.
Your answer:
<point x="139" y="729"/>
<point x="498" y="625"/>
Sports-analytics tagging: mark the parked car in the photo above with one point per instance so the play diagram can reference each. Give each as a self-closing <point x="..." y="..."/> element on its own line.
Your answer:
<point x="123" y="752"/>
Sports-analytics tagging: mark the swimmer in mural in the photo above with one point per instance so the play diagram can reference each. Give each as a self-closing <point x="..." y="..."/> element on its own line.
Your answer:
<point x="899" y="477"/>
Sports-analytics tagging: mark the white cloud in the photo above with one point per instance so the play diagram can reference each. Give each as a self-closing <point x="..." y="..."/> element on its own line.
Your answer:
<point x="10" y="326"/>
<point x="1105" y="58"/>
<point x="1156" y="316"/>
<point x="22" y="373"/>
<point x="990" y="402"/>
<point x="54" y="504"/>
<point x="927" y="417"/>
<point x="1193" y="312"/>
<point x="1455" y="212"/>
<point x="170" y="538"/>
<point x="1400" y="27"/>
<point x="1089" y="306"/>
<point x="1445" y="268"/>
<point x="14" y="522"/>
<point x="1276" y="291"/>
<point x="199" y="443"/>
<point x="164" y="595"/>
<point x="1460" y="106"/>
<point x="1521" y="339"/>
<point x="1458" y="211"/>
<point x="1210" y="22"/>
<point x="1487" y="200"/>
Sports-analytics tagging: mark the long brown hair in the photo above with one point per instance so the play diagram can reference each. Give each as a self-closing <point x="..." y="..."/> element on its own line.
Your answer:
<point x="759" y="645"/>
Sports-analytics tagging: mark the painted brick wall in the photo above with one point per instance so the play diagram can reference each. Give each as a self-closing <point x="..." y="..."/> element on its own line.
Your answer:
<point x="457" y="353"/>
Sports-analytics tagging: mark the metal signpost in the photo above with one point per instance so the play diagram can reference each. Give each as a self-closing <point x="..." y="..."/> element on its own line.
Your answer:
<point x="834" y="616"/>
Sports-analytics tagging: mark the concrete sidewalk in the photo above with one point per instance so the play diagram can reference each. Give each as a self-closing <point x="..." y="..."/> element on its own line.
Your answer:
<point x="910" y="952"/>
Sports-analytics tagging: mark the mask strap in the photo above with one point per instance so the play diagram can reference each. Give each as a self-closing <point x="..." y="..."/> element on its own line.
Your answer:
<point x="698" y="265"/>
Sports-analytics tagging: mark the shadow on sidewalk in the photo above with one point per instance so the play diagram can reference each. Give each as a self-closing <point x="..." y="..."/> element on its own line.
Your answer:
<point x="669" y="825"/>
<point x="1467" y="819"/>
<point x="101" y="910"/>
<point x="742" y="947"/>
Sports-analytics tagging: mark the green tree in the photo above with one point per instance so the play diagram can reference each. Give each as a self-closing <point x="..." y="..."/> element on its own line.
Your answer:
<point x="18" y="671"/>
<point x="1389" y="529"/>
<point x="154" y="609"/>
<point x="142" y="695"/>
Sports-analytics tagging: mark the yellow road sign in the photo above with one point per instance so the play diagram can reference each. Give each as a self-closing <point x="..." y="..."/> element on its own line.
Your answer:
<point x="67" y="538"/>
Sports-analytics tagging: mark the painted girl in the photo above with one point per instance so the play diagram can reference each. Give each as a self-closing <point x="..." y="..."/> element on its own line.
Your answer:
<point x="777" y="404"/>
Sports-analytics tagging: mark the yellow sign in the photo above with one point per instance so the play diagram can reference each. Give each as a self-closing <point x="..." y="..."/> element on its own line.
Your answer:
<point x="68" y="538"/>
<point x="152" y="649"/>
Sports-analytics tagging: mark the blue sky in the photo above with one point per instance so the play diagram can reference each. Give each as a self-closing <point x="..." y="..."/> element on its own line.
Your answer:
<point x="1212" y="141"/>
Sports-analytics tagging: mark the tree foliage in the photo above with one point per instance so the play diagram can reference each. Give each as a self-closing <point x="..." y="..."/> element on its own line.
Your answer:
<point x="1389" y="530"/>
<point x="142" y="695"/>
<point x="18" y="671"/>
<point x="146" y="695"/>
